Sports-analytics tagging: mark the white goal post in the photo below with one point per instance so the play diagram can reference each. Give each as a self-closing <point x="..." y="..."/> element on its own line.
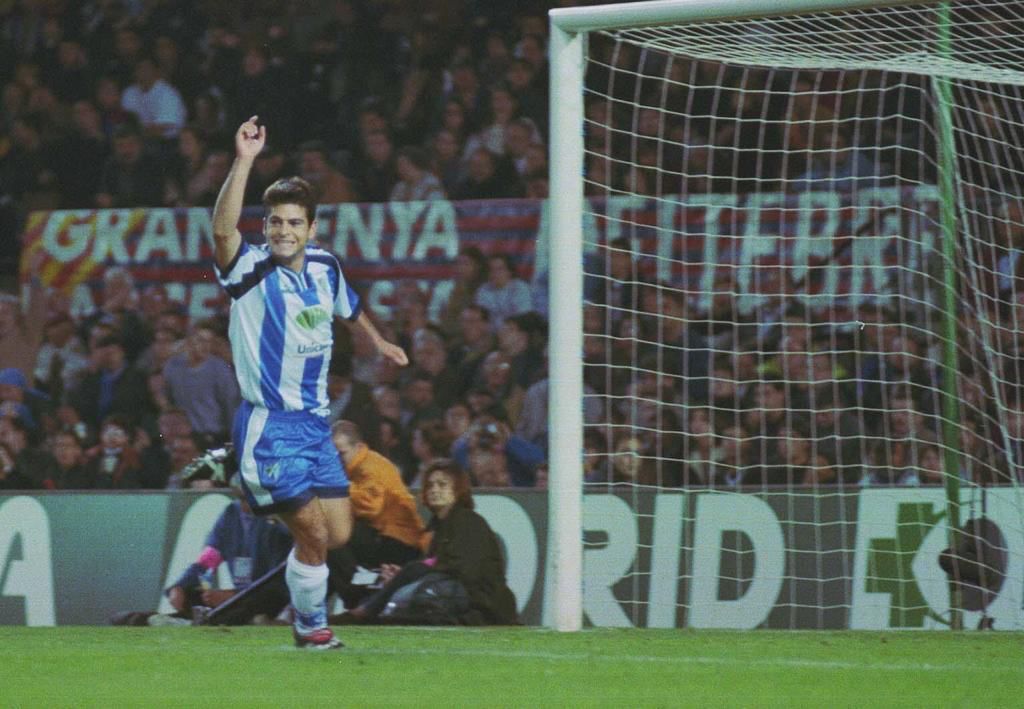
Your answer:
<point x="570" y="27"/>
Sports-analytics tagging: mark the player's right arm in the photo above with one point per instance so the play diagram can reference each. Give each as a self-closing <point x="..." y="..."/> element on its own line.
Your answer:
<point x="249" y="141"/>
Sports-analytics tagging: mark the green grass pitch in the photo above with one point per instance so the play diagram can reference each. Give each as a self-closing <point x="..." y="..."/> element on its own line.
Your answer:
<point x="456" y="667"/>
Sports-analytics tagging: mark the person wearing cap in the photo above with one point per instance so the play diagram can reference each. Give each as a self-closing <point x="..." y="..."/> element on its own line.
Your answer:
<point x="19" y="400"/>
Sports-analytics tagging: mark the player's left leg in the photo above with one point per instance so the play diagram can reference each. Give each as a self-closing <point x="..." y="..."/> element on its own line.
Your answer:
<point x="306" y="576"/>
<point x="338" y="513"/>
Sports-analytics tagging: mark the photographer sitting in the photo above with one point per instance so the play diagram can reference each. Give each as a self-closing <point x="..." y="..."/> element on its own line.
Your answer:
<point x="462" y="580"/>
<point x="386" y="528"/>
<point x="252" y="547"/>
<point x="496" y="457"/>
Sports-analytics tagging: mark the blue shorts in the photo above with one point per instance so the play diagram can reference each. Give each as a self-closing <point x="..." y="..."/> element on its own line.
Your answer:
<point x="286" y="458"/>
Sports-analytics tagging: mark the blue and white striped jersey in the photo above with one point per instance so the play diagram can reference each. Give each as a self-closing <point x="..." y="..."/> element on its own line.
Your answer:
<point x="280" y="328"/>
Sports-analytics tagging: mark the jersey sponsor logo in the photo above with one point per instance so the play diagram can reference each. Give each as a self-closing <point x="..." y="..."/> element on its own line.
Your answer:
<point x="313" y="349"/>
<point x="312" y="316"/>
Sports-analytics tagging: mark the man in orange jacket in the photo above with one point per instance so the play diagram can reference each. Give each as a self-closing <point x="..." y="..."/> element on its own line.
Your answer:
<point x="387" y="527"/>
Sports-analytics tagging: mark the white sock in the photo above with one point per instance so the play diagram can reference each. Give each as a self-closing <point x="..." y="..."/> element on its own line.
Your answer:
<point x="308" y="587"/>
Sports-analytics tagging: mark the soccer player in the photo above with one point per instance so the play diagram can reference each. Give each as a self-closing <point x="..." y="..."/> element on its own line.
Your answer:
<point x="283" y="298"/>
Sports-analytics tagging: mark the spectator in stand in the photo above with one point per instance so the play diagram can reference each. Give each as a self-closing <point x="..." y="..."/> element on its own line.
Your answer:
<point x="29" y="167"/>
<point x="415" y="181"/>
<point x="484" y="180"/>
<point x="503" y="294"/>
<point x="379" y="174"/>
<point x="263" y="88"/>
<point x="208" y="115"/>
<point x="21" y="331"/>
<point x="393" y="445"/>
<point x="430" y="358"/>
<point x="183" y="450"/>
<point x="793" y="460"/>
<point x="156" y="458"/>
<point x="131" y="177"/>
<point x="386" y="528"/>
<point x="628" y="464"/>
<point x="62" y="359"/>
<point x="530" y="95"/>
<point x="418" y="400"/>
<point x="84" y="151"/>
<point x="469" y="94"/>
<point x="118" y="311"/>
<point x="504" y="109"/>
<point x="454" y="120"/>
<point x="158" y="105"/>
<point x="490" y="441"/>
<point x="457" y="419"/>
<point x="470" y="274"/>
<point x="19" y="400"/>
<point x="350" y="399"/>
<point x="28" y="466"/>
<point x="70" y="76"/>
<point x="215" y="170"/>
<point x="178" y="70"/>
<point x="70" y="472"/>
<point x="732" y="457"/>
<point x="431" y="440"/>
<point x="167" y="342"/>
<point x="445" y="160"/>
<point x="270" y="165"/>
<point x="523" y="340"/>
<point x="203" y="385"/>
<point x="108" y="102"/>
<point x="316" y="168"/>
<point x="495" y="377"/>
<point x="475" y="340"/>
<point x="187" y="181"/>
<point x="114" y="464"/>
<point x="519" y="136"/>
<point x="112" y="386"/>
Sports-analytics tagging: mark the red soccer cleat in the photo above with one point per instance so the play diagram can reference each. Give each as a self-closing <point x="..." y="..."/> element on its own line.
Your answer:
<point x="319" y="639"/>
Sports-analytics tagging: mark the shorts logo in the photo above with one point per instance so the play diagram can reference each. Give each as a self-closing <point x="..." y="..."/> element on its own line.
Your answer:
<point x="312" y="316"/>
<point x="271" y="471"/>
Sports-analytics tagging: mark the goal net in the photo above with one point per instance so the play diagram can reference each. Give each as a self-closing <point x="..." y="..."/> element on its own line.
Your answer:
<point x="802" y="323"/>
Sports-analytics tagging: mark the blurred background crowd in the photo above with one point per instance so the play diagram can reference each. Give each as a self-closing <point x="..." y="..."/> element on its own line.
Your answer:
<point x="133" y="103"/>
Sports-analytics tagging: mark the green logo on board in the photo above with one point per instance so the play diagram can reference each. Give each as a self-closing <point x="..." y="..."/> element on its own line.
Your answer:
<point x="890" y="565"/>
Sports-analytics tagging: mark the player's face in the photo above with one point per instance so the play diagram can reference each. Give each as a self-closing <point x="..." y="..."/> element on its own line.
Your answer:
<point x="288" y="230"/>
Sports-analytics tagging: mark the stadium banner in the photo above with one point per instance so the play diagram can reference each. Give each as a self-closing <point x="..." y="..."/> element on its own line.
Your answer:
<point x="671" y="559"/>
<point x="699" y="242"/>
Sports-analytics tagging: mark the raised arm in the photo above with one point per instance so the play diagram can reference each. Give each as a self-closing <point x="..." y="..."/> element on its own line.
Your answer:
<point x="249" y="141"/>
<point x="393" y="352"/>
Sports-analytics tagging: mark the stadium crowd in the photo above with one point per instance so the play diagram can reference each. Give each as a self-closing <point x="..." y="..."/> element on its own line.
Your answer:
<point x="131" y="104"/>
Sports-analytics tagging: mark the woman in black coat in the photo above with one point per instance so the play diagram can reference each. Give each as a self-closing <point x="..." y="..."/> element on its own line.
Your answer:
<point x="463" y="547"/>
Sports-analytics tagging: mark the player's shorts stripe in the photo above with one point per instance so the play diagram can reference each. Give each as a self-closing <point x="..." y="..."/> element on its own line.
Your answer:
<point x="254" y="425"/>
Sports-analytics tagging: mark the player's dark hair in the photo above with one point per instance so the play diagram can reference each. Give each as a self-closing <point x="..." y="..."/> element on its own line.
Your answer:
<point x="460" y="480"/>
<point x="292" y="190"/>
